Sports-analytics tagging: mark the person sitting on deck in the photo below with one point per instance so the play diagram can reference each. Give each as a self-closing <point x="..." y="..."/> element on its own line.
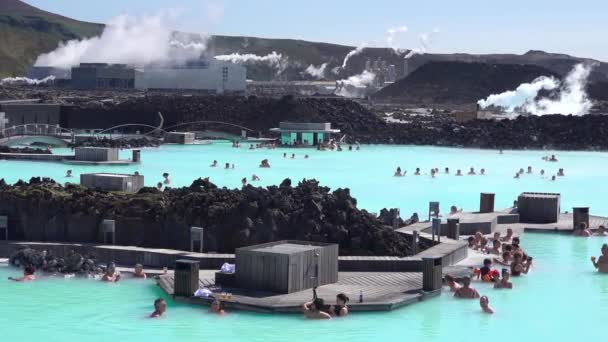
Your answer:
<point x="582" y="231"/>
<point x="166" y="180"/>
<point x="507" y="237"/>
<point x="506" y="259"/>
<point x="517" y="265"/>
<point x="217" y="307"/>
<point x="138" y="271"/>
<point x="340" y="309"/>
<point x="601" y="231"/>
<point x="417" y="173"/>
<point x="504" y="283"/>
<point x="458" y="172"/>
<point x="214" y="164"/>
<point x="472" y="172"/>
<point x="466" y="291"/>
<point x="452" y="283"/>
<point x="160" y="306"/>
<point x="484" y="302"/>
<point x="111" y="275"/>
<point x="28" y="274"/>
<point x="314" y="309"/>
<point x="69" y="173"/>
<point x="398" y="172"/>
<point x="601" y="263"/>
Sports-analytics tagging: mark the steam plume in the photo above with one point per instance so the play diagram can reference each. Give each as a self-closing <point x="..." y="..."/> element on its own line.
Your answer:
<point x="426" y="40"/>
<point x="352" y="86"/>
<point x="273" y="59"/>
<point x="572" y="97"/>
<point x="352" y="53"/>
<point x="129" y="40"/>
<point x="25" y="80"/>
<point x="392" y="32"/>
<point x="316" y="72"/>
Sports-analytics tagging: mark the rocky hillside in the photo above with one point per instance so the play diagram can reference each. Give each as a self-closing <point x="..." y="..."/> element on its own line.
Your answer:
<point x="26" y="32"/>
<point x="42" y="210"/>
<point x="459" y="82"/>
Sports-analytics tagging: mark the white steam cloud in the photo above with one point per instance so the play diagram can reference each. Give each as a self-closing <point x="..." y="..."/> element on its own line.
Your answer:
<point x="317" y="72"/>
<point x="25" y="80"/>
<point x="572" y="97"/>
<point x="392" y="33"/>
<point x="354" y="86"/>
<point x="129" y="40"/>
<point x="273" y="59"/>
<point x="426" y="40"/>
<point x="353" y="53"/>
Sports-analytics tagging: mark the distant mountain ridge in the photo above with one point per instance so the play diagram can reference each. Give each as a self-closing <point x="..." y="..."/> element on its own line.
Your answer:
<point x="26" y="32"/>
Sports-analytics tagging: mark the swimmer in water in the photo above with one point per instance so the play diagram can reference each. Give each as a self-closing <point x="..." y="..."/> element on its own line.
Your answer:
<point x="214" y="164"/>
<point x="166" y="179"/>
<point x="582" y="231"/>
<point x="484" y="302"/>
<point x="306" y="156"/>
<point x="500" y="151"/>
<point x="542" y="172"/>
<point x="483" y="172"/>
<point x="504" y="283"/>
<point x="521" y="171"/>
<point x="466" y="291"/>
<point x="340" y="309"/>
<point x="265" y="164"/>
<point x="553" y="178"/>
<point x="454" y="286"/>
<point x="138" y="271"/>
<point x="601" y="231"/>
<point x="284" y="155"/>
<point x="251" y="147"/>
<point x="232" y="166"/>
<point x="601" y="263"/>
<point x="255" y="178"/>
<point x="553" y="158"/>
<point x="529" y="169"/>
<point x="227" y="166"/>
<point x="561" y="173"/>
<point x="244" y="181"/>
<point x="516" y="175"/>
<point x="472" y="172"/>
<point x="447" y="171"/>
<point x="160" y="306"/>
<point x="398" y="172"/>
<point x="28" y="275"/>
<point x="159" y="186"/>
<point x="68" y="174"/>
<point x="217" y="307"/>
<point x="293" y="156"/>
<point x="417" y="173"/>
<point x="458" y="173"/>
<point x="111" y="275"/>
<point x="314" y="309"/>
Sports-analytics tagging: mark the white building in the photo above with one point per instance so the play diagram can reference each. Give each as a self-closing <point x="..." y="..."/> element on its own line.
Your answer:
<point x="215" y="77"/>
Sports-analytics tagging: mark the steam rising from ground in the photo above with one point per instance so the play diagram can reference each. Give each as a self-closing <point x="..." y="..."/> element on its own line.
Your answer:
<point x="317" y="72"/>
<point x="273" y="59"/>
<point x="572" y="97"/>
<point x="129" y="40"/>
<point x="426" y="40"/>
<point x="25" y="80"/>
<point x="354" y="86"/>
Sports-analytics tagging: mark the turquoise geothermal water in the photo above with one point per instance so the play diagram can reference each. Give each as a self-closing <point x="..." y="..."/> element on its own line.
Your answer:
<point x="368" y="173"/>
<point x="561" y="299"/>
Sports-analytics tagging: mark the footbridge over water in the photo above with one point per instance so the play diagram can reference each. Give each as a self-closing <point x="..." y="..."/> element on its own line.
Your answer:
<point x="28" y="134"/>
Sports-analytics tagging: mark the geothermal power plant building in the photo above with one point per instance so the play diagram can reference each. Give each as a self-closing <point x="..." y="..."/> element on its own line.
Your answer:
<point x="214" y="77"/>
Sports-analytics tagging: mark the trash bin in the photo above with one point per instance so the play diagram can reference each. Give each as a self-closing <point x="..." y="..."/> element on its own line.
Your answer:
<point x="186" y="278"/>
<point x="432" y="273"/>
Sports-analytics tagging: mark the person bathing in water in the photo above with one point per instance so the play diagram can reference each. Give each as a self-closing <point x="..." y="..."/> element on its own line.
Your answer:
<point x="484" y="302"/>
<point x="314" y="309"/>
<point x="340" y="309"/>
<point x="138" y="271"/>
<point x="28" y="275"/>
<point x="111" y="275"/>
<point x="466" y="291"/>
<point x="214" y="164"/>
<point x="417" y="173"/>
<point x="166" y="180"/>
<point x="398" y="172"/>
<point x="504" y="283"/>
<point x="458" y="173"/>
<point x="472" y="172"/>
<point x="601" y="263"/>
<point x="160" y="306"/>
<point x="217" y="307"/>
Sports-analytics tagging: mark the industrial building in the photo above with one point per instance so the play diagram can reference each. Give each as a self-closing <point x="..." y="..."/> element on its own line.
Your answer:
<point x="213" y="77"/>
<point x="304" y="133"/>
<point x="42" y="72"/>
<point x="103" y="76"/>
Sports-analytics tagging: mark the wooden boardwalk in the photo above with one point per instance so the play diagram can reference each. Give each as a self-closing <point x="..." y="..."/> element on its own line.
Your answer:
<point x="382" y="291"/>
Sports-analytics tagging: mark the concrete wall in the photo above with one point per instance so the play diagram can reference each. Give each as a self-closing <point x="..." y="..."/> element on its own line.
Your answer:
<point x="112" y="182"/>
<point x="20" y="114"/>
<point x="96" y="154"/>
<point x="99" y="76"/>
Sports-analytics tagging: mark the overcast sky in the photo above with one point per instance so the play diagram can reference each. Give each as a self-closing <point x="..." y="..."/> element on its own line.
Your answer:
<point x="577" y="27"/>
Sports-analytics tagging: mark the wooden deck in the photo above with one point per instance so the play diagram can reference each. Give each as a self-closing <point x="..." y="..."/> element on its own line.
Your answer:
<point x="382" y="291"/>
